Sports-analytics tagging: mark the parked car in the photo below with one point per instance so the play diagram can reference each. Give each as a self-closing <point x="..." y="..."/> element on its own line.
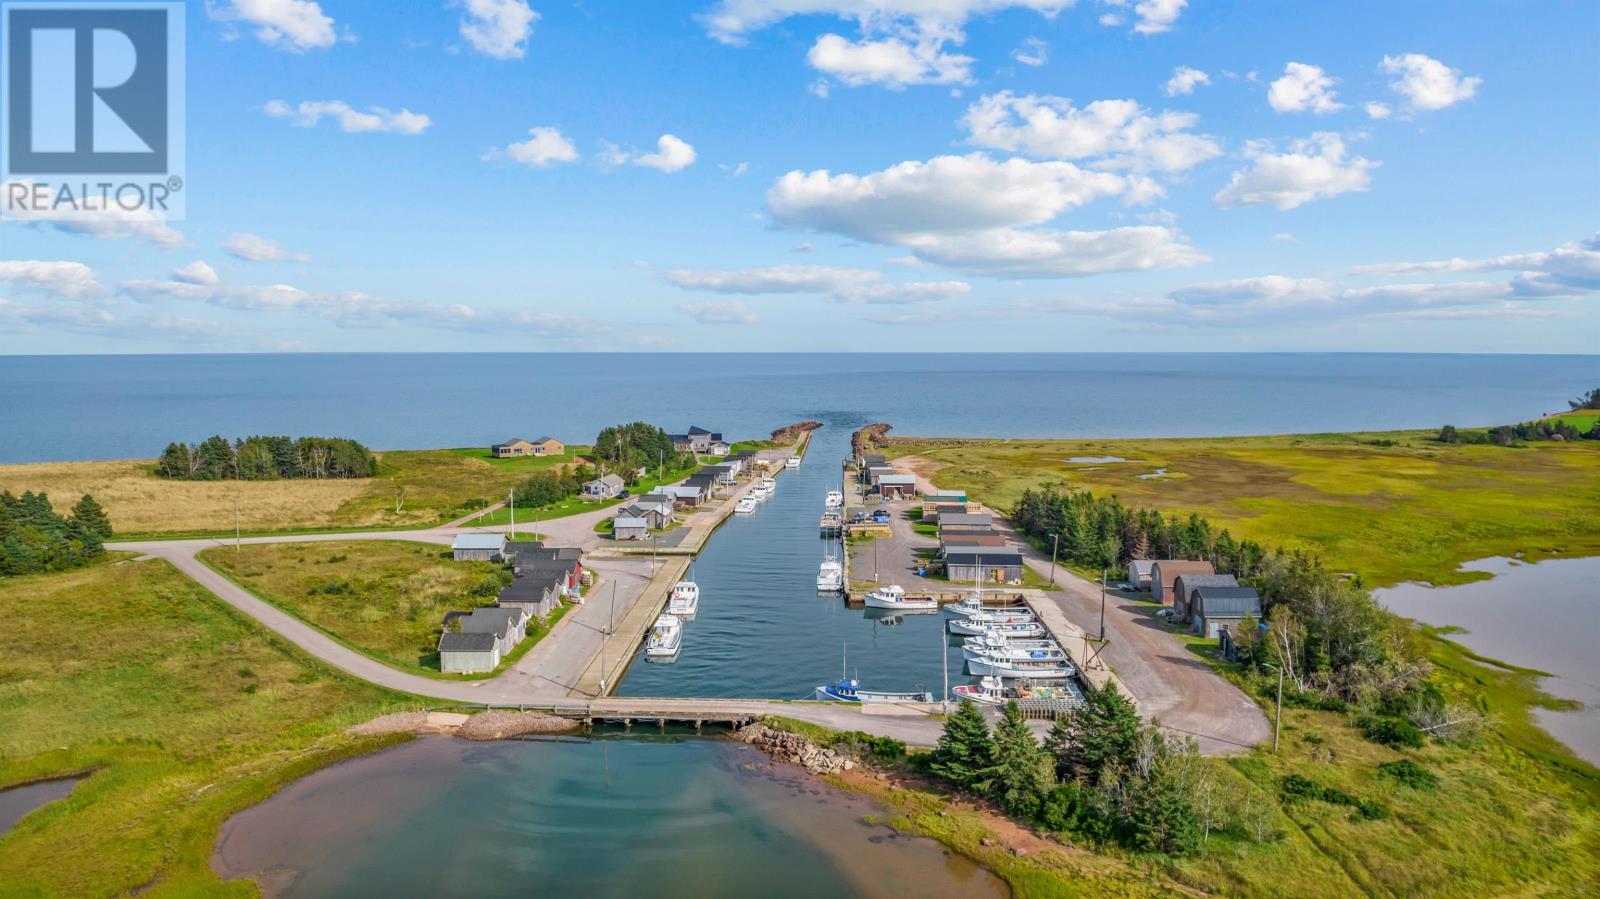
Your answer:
<point x="1164" y="613"/>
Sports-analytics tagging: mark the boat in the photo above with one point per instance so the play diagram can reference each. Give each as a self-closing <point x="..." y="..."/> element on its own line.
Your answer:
<point x="666" y="638"/>
<point x="848" y="690"/>
<point x="894" y="597"/>
<point x="792" y="462"/>
<point x="767" y="486"/>
<point x="973" y="605"/>
<point x="997" y="641"/>
<point x="746" y="505"/>
<point x="998" y="616"/>
<point x="1036" y="650"/>
<point x="685" y="599"/>
<point x="1035" y="669"/>
<point x="1025" y="629"/>
<point x="834" y="501"/>
<point x="988" y="691"/>
<point x="830" y="575"/>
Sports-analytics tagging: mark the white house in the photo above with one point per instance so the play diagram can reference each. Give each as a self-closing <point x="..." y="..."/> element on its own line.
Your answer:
<point x="604" y="487"/>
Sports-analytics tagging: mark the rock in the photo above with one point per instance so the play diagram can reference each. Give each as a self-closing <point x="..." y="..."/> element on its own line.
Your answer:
<point x="1019" y="852"/>
<point x="986" y="842"/>
<point x="499" y="724"/>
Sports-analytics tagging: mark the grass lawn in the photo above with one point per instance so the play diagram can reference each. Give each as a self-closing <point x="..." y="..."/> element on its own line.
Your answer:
<point x="577" y="506"/>
<point x="185" y="710"/>
<point x="523" y="465"/>
<point x="1413" y="510"/>
<point x="386" y="599"/>
<point x="1583" y="421"/>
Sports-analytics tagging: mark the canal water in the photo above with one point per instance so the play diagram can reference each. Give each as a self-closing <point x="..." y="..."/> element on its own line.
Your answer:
<point x="596" y="817"/>
<point x="764" y="632"/>
<point x="1535" y="616"/>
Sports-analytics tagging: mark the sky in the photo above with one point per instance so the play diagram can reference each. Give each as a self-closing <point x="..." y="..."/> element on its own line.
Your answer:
<point x="853" y="175"/>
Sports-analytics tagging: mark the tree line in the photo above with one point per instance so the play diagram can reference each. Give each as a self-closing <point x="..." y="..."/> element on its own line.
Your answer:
<point x="35" y="538"/>
<point x="1511" y="435"/>
<point x="551" y="486"/>
<point x="624" y="449"/>
<point x="266" y="458"/>
<point x="1327" y="632"/>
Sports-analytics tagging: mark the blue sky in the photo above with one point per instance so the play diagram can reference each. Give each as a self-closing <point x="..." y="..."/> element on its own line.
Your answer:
<point x="875" y="175"/>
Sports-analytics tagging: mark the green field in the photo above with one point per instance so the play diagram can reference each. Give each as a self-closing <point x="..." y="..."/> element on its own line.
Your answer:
<point x="1583" y="421"/>
<point x="577" y="506"/>
<point x="1389" y="506"/>
<point x="386" y="599"/>
<point x="185" y="712"/>
<point x="523" y="464"/>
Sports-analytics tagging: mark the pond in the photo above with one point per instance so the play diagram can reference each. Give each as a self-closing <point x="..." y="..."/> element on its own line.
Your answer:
<point x="610" y="815"/>
<point x="18" y="801"/>
<point x="1544" y="616"/>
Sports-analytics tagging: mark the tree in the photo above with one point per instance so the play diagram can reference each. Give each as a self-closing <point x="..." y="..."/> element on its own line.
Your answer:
<point x="1449" y="434"/>
<point x="91" y="518"/>
<point x="965" y="754"/>
<point x="1590" y="400"/>
<point x="1101" y="731"/>
<point x="1021" y="772"/>
<point x="1161" y="815"/>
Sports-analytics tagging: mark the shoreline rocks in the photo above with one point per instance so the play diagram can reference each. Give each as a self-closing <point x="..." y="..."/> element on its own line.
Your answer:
<point x="793" y="748"/>
<point x="492" y="724"/>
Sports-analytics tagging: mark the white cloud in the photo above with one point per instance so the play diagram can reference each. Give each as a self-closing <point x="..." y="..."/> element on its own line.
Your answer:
<point x="672" y="154"/>
<point x="65" y="279"/>
<point x="497" y="28"/>
<point x="731" y="21"/>
<point x="255" y="248"/>
<point x="1017" y="253"/>
<point x="375" y="120"/>
<point x="1314" y="168"/>
<point x="544" y="147"/>
<point x="893" y="62"/>
<point x="1426" y="83"/>
<point x="770" y="279"/>
<point x="735" y="171"/>
<point x="1284" y="237"/>
<point x="732" y="312"/>
<point x="904" y="293"/>
<point x="196" y="272"/>
<point x="1184" y="80"/>
<point x="293" y="25"/>
<point x="95" y="218"/>
<point x="1303" y="87"/>
<point x="1116" y="133"/>
<point x="1156" y="16"/>
<point x="1377" y="110"/>
<point x="1032" y="52"/>
<point x="1570" y="268"/>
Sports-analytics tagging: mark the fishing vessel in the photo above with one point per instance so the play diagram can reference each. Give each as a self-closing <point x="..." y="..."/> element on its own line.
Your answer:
<point x="685" y="599"/>
<point x="792" y="462"/>
<point x="834" y="501"/>
<point x="848" y="690"/>
<point x="894" y="597"/>
<point x="1034" y="650"/>
<point x="988" y="691"/>
<point x="767" y="486"/>
<point x="998" y="616"/>
<point x="1025" y="628"/>
<point x="830" y="575"/>
<point x="1037" y="669"/>
<point x="972" y="606"/>
<point x="666" y="638"/>
<point x="974" y="645"/>
<point x="746" y="505"/>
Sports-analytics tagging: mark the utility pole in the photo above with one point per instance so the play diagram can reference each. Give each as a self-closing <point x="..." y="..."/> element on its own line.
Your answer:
<point x="1278" y="723"/>
<point x="944" y="655"/>
<point x="610" y="616"/>
<point x="236" y="539"/>
<point x="512" y="496"/>
<point x="1055" y="544"/>
<point x="1102" y="605"/>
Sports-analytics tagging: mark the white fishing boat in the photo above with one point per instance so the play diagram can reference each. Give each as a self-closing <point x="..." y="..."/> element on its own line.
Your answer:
<point x="988" y="691"/>
<point x="685" y="600"/>
<point x="767" y="486"/>
<point x="1025" y="629"/>
<point x="998" y="641"/>
<point x="894" y="598"/>
<point x="1034" y="649"/>
<point x="830" y="575"/>
<point x="746" y="505"/>
<point x="666" y="638"/>
<point x="999" y="616"/>
<point x="972" y="606"/>
<point x="1034" y="669"/>
<point x="834" y="501"/>
<point x="792" y="462"/>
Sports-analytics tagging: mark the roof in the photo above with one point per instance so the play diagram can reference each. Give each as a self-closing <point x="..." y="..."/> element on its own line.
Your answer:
<point x="1192" y="581"/>
<point x="512" y="442"/>
<point x="491" y="621"/>
<point x="955" y="556"/>
<point x="956" y="519"/>
<point x="1143" y="566"/>
<point x="533" y="551"/>
<point x="531" y="586"/>
<point x="1175" y="567"/>
<point x="1228" y="602"/>
<point x="697" y="431"/>
<point x="451" y="641"/>
<point x="873" y="458"/>
<point x="479" y="541"/>
<point x="898" y="480"/>
<point x="547" y="440"/>
<point x="610" y="480"/>
<point x="679" y="490"/>
<point x="628" y="521"/>
<point x="948" y="494"/>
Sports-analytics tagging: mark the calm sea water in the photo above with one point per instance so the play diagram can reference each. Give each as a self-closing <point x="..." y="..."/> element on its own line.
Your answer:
<point x="113" y="407"/>
<point x="635" y="816"/>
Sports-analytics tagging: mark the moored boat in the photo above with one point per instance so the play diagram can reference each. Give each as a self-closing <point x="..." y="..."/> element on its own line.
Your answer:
<point x="988" y="691"/>
<point x="834" y="501"/>
<point x="792" y="462"/>
<point x="830" y="575"/>
<point x="666" y="638"/>
<point x="848" y="690"/>
<point x="972" y="606"/>
<point x="1023" y="628"/>
<point x="746" y="505"/>
<point x="1035" y="669"/>
<point x="685" y="600"/>
<point x="894" y="597"/>
<point x="1036" y="650"/>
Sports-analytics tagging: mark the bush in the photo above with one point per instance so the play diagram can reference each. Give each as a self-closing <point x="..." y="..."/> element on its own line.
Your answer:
<point x="882" y="748"/>
<point x="1396" y="732"/>
<point x="1410" y="774"/>
<point x="1297" y="788"/>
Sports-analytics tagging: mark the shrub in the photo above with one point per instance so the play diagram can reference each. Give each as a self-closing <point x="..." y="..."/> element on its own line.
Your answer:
<point x="1393" y="732"/>
<point x="1408" y="773"/>
<point x="1297" y="788"/>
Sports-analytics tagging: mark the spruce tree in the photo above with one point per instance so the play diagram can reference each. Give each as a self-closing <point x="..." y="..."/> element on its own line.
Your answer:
<point x="1162" y="817"/>
<point x="91" y="518"/>
<point x="1104" y="729"/>
<point x="965" y="753"/>
<point x="1018" y="778"/>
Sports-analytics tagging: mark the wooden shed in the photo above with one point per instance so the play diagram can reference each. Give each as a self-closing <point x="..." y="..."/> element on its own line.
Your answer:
<point x="1164" y="571"/>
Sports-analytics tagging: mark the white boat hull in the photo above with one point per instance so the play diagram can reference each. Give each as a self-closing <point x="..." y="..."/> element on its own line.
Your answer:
<point x="903" y="604"/>
<point x="989" y="667"/>
<point x="1020" y="629"/>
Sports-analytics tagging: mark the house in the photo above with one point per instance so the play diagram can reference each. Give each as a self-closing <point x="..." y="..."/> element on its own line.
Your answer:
<point x="628" y="527"/>
<point x="537" y="589"/>
<point x="980" y="520"/>
<point x="932" y="509"/>
<point x="604" y="487"/>
<point x="683" y="496"/>
<point x="720" y="448"/>
<point x="512" y="448"/>
<point x="548" y="446"/>
<point x="569" y="559"/>
<point x="897" y="486"/>
<point x="1183" y="587"/>
<point x="1164" y="571"/>
<point x="478" y="547"/>
<point x="697" y="440"/>
<point x="468" y="653"/>
<point x="878" y="472"/>
<point x="509" y="625"/>
<point x="705" y="482"/>
<point x="1215" y="608"/>
<point x="655" y="514"/>
<point x="971" y="564"/>
<point x="939" y="497"/>
<point x="870" y="459"/>
<point x="726" y="473"/>
<point x="1139" y="572"/>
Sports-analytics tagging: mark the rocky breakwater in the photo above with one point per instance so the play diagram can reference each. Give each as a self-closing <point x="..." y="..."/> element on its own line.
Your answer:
<point x="787" y="747"/>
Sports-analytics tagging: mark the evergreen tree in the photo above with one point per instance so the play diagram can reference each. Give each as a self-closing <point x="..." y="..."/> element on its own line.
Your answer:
<point x="965" y="754"/>
<point x="91" y="518"/>
<point x="1161" y="816"/>
<point x="1105" y="729"/>
<point x="1021" y="768"/>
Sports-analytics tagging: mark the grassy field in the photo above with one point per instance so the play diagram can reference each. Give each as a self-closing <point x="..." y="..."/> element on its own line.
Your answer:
<point x="386" y="599"/>
<point x="1583" y="421"/>
<point x="1391" y="506"/>
<point x="185" y="711"/>
<point x="577" y="506"/>
<point x="523" y="464"/>
<point x="413" y="488"/>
